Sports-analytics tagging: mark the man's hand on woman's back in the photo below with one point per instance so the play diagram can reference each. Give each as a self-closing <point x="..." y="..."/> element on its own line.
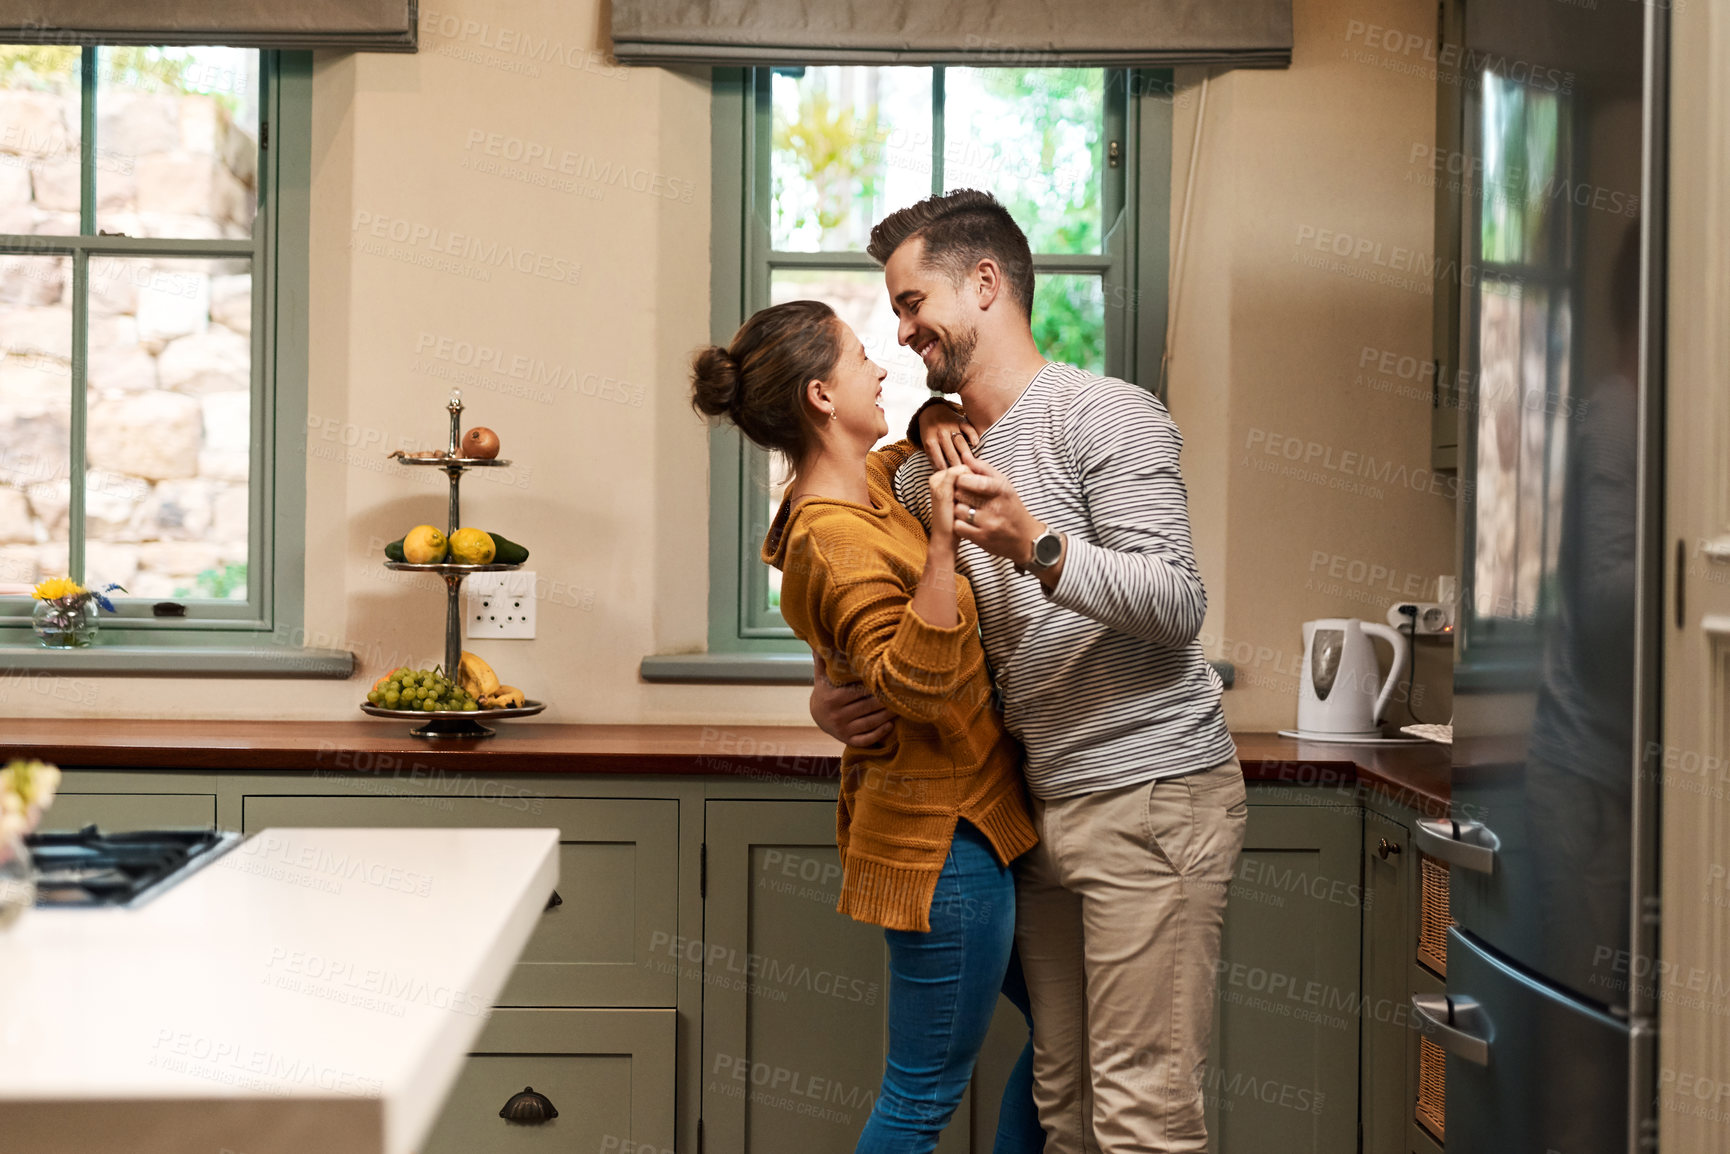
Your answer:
<point x="848" y="713"/>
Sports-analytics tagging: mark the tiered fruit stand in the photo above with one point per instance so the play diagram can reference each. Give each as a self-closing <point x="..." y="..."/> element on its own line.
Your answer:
<point x="453" y="722"/>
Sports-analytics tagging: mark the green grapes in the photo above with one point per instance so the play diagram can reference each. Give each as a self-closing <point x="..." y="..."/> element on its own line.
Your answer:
<point x="421" y="690"/>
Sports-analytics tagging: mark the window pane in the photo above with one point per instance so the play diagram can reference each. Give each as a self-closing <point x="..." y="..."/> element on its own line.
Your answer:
<point x="35" y="418"/>
<point x="177" y="141"/>
<point x="169" y="429"/>
<point x="1069" y="319"/>
<point x="850" y="146"/>
<point x="1032" y="137"/>
<point x="39" y="134"/>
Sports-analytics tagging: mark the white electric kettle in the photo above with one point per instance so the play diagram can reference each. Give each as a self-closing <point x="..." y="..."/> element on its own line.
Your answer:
<point x="1342" y="693"/>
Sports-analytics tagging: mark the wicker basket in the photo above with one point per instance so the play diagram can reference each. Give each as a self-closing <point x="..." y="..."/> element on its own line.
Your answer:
<point x="1432" y="1087"/>
<point x="1434" y="917"/>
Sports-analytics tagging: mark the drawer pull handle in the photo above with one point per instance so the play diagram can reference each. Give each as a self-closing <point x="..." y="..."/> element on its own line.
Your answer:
<point x="529" y="1108"/>
<point x="1467" y="844"/>
<point x="1458" y="1025"/>
<point x="553" y="901"/>
<point x="1387" y="849"/>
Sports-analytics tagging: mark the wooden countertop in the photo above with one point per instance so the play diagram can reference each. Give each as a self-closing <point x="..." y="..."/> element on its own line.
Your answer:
<point x="1415" y="775"/>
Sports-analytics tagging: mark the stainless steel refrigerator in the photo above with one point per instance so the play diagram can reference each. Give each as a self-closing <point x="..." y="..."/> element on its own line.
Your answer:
<point x="1552" y="990"/>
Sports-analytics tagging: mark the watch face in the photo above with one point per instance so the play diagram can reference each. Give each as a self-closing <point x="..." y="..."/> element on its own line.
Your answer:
<point x="1047" y="549"/>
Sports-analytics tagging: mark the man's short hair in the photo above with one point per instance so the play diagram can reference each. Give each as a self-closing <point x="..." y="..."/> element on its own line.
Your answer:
<point x="960" y="229"/>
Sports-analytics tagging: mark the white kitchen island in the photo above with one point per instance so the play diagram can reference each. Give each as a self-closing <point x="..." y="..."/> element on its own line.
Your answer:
<point x="312" y="991"/>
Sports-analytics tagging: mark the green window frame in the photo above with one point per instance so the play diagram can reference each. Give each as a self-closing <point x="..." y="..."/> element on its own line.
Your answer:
<point x="1133" y="263"/>
<point x="262" y="634"/>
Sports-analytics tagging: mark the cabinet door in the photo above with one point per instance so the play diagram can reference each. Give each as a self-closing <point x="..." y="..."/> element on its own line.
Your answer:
<point x="608" y="1073"/>
<point x="1389" y="1044"/>
<point x="794" y="994"/>
<point x="603" y="945"/>
<point x="1282" y="1074"/>
<point x="123" y="812"/>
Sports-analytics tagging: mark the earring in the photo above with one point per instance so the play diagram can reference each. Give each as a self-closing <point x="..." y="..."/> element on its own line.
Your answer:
<point x="831" y="414"/>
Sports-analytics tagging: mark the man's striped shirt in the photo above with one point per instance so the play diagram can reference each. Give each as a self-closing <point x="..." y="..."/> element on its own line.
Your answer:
<point x="1103" y="680"/>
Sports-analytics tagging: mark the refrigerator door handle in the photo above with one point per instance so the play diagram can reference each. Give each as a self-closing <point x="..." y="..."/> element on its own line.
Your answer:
<point x="1457" y="1025"/>
<point x="1467" y="844"/>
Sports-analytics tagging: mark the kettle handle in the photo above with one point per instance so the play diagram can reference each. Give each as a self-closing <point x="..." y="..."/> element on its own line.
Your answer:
<point x="1402" y="653"/>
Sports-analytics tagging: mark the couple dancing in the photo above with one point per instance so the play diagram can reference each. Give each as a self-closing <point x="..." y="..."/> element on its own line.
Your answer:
<point x="1041" y="539"/>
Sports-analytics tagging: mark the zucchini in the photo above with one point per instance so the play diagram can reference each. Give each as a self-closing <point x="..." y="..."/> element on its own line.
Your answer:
<point x="506" y="551"/>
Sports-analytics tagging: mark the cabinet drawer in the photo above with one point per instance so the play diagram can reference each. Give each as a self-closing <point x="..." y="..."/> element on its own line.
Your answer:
<point x="618" y="885"/>
<point x="608" y="1073"/>
<point x="122" y="812"/>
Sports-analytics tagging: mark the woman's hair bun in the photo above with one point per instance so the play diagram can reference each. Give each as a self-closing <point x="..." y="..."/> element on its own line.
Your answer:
<point x="715" y="382"/>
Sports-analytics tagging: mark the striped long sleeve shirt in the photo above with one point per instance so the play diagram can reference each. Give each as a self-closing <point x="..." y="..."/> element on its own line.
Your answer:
<point x="1103" y="678"/>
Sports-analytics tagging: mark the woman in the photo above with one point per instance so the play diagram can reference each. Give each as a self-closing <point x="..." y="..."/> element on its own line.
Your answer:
<point x="930" y="818"/>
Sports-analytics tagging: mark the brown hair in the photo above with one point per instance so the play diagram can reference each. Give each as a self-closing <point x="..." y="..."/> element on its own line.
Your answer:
<point x="758" y="381"/>
<point x="960" y="229"/>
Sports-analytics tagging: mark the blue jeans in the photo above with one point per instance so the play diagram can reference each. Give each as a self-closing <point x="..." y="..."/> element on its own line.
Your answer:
<point x="943" y="987"/>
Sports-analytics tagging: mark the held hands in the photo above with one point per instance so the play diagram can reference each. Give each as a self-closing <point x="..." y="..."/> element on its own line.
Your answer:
<point x="999" y="523"/>
<point x="988" y="512"/>
<point x="943" y="506"/>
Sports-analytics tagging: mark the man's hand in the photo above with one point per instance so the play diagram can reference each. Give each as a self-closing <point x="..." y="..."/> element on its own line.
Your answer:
<point x="848" y="713"/>
<point x="989" y="513"/>
<point x="946" y="435"/>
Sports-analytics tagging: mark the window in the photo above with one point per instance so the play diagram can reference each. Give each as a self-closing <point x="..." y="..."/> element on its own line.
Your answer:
<point x="147" y="390"/>
<point x="808" y="159"/>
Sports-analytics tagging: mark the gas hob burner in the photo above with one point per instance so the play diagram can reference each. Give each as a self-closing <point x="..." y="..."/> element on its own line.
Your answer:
<point x="90" y="868"/>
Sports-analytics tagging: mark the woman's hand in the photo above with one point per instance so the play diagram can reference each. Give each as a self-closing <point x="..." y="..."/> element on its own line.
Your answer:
<point x="943" y="502"/>
<point x="943" y="430"/>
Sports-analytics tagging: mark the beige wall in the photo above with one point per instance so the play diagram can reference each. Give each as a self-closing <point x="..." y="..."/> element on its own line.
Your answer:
<point x="1268" y="352"/>
<point x="611" y="493"/>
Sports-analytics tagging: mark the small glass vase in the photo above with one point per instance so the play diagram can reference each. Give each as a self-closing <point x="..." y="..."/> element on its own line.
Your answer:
<point x="17" y="880"/>
<point x="63" y="625"/>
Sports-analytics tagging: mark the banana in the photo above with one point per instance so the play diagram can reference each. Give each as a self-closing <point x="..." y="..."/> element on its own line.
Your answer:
<point x="505" y="696"/>
<point x="476" y="677"/>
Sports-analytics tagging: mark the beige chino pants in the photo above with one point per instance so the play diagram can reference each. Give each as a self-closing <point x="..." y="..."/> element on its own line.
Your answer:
<point x="1118" y="916"/>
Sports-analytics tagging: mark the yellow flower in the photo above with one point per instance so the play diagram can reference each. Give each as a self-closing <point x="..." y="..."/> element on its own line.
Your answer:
<point x="28" y="785"/>
<point x="55" y="588"/>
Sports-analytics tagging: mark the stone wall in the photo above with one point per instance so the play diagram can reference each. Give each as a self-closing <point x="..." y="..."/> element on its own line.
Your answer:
<point x="168" y="429"/>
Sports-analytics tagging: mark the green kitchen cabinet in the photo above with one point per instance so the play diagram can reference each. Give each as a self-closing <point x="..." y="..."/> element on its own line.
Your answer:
<point x="1388" y="1075"/>
<point x="122" y="812"/>
<point x="605" y="942"/>
<point x="1282" y="1074"/>
<point x="608" y="1073"/>
<point x="794" y="993"/>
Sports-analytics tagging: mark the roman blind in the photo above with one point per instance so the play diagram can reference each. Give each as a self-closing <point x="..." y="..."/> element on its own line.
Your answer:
<point x="977" y="33"/>
<point x="363" y="25"/>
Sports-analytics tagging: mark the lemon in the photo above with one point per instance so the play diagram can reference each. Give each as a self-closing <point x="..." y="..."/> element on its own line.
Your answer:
<point x="472" y="547"/>
<point x="424" y="545"/>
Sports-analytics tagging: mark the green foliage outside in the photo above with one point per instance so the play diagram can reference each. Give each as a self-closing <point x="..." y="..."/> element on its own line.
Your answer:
<point x="1055" y="199"/>
<point x="831" y="149"/>
<point x="56" y="68"/>
<point x="226" y="584"/>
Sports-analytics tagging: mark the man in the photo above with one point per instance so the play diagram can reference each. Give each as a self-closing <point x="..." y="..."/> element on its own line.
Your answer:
<point x="1075" y="537"/>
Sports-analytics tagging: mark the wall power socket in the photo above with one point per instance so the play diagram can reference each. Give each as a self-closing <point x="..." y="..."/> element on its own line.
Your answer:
<point x="1427" y="618"/>
<point x="500" y="605"/>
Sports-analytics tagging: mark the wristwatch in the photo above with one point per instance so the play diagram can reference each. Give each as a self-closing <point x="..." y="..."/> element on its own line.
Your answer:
<point x="1047" y="548"/>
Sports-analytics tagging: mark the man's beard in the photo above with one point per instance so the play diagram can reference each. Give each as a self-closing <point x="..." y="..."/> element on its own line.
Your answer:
<point x="954" y="356"/>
